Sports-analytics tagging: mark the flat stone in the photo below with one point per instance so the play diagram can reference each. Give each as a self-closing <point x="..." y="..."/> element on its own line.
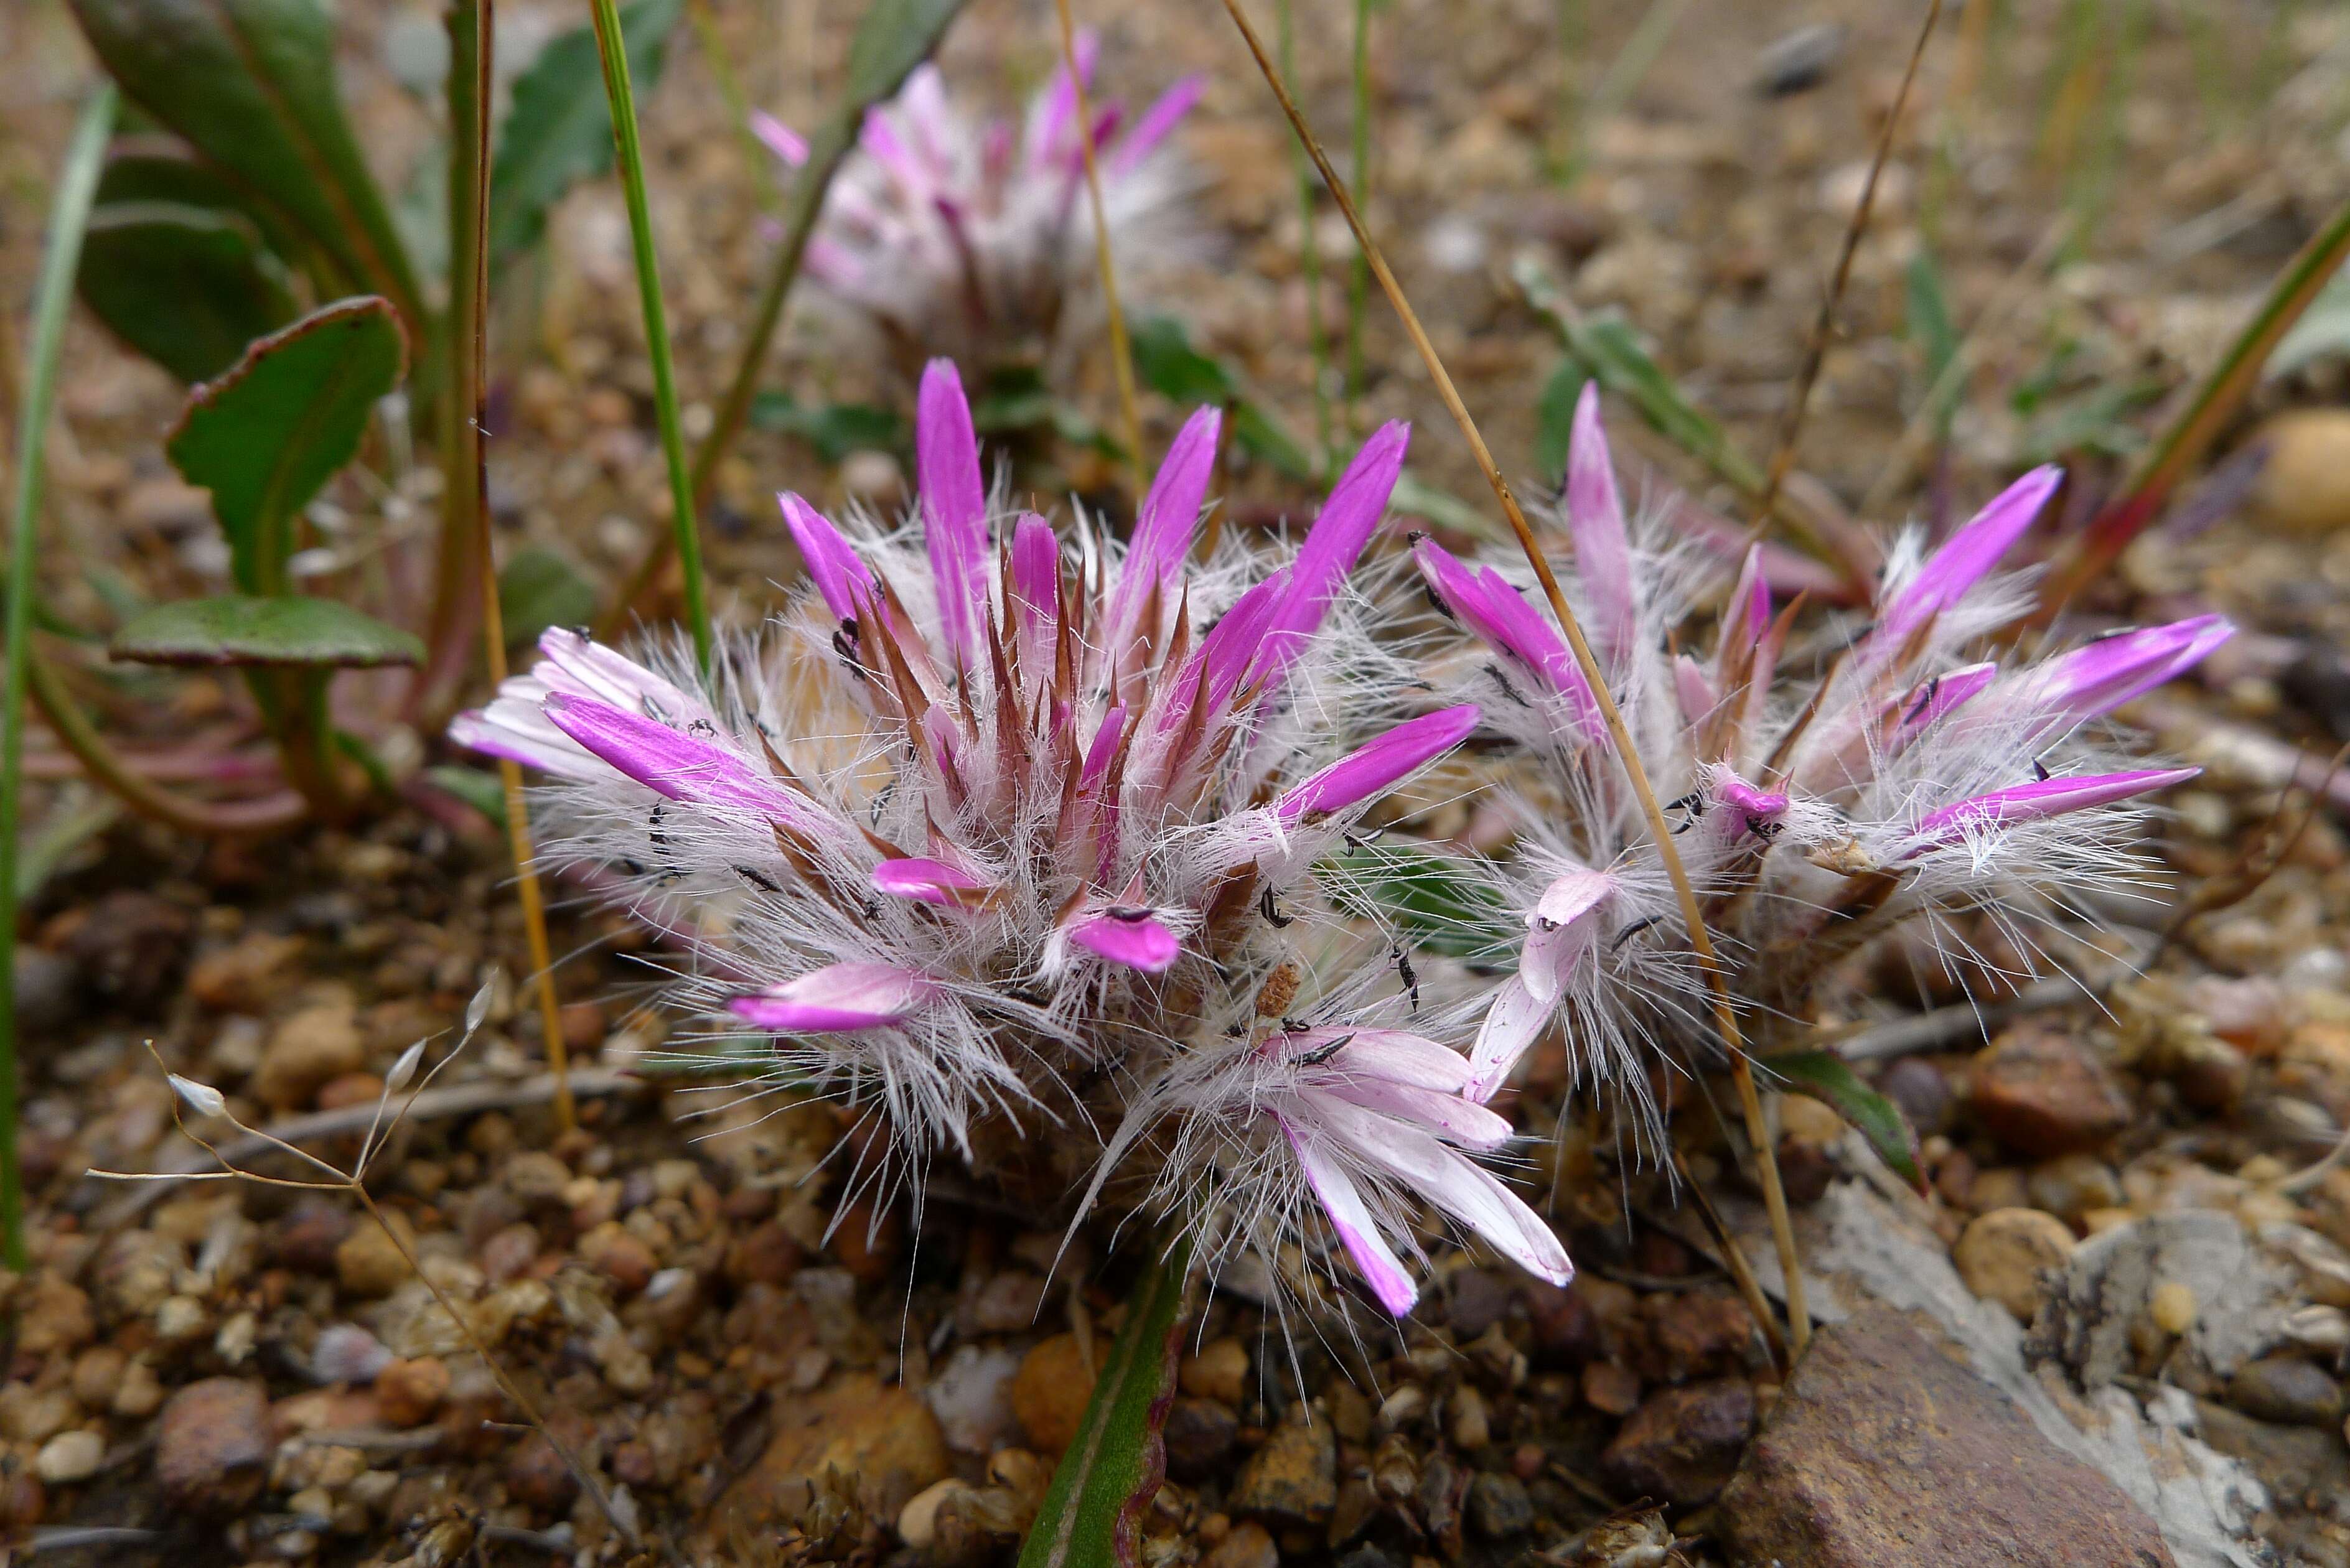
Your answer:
<point x="1882" y="1451"/>
<point x="1499" y="1507"/>
<point x="1200" y="1434"/>
<point x="1293" y="1480"/>
<point x="880" y="1443"/>
<point x="2004" y="1256"/>
<point x="213" y="1445"/>
<point x="1681" y="1444"/>
<point x="2040" y="1091"/>
<point x="2288" y="1389"/>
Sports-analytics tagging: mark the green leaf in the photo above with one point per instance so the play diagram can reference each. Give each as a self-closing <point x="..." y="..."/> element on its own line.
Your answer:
<point x="835" y="430"/>
<point x="247" y="629"/>
<point x="1931" y="328"/>
<point x="477" y="789"/>
<point x="1612" y="351"/>
<point x="1439" y="900"/>
<point x="187" y="286"/>
<point x="1829" y="1079"/>
<point x="160" y="169"/>
<point x="1554" y="417"/>
<point x="559" y="128"/>
<point x="1415" y="497"/>
<point x="892" y="37"/>
<point x="540" y="588"/>
<point x="1092" y="1512"/>
<point x="1166" y="362"/>
<point x="252" y="84"/>
<point x="2323" y="331"/>
<point x="263" y="438"/>
<point x="60" y="837"/>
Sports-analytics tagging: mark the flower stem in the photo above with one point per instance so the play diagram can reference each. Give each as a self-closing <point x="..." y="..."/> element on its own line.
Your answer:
<point x="1121" y="354"/>
<point x="1725" y="1015"/>
<point x="615" y="55"/>
<point x="265" y="813"/>
<point x="473" y="30"/>
<point x="68" y="214"/>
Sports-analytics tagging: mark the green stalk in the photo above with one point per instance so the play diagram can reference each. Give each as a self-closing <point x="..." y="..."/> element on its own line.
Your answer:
<point x="68" y="216"/>
<point x="2199" y="421"/>
<point x="615" y="55"/>
<point x="1359" y="271"/>
<point x="1317" y="341"/>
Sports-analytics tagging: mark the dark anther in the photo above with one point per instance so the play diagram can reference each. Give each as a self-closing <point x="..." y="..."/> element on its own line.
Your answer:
<point x="1925" y="698"/>
<point x="1321" y="1054"/>
<point x="752" y="875"/>
<point x="1634" y="929"/>
<point x="2040" y="770"/>
<point x="1409" y="976"/>
<point x="1272" y="911"/>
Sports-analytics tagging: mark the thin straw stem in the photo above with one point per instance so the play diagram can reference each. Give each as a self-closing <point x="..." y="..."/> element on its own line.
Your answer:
<point x="1121" y="353"/>
<point x="68" y="214"/>
<point x="1725" y="1015"/>
<point x="472" y="28"/>
<point x="614" y="51"/>
<point x="1309" y="251"/>
<point x="1815" y="351"/>
<point x="1359" y="271"/>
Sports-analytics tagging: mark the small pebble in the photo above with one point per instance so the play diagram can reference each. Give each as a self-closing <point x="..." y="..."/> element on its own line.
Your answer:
<point x="69" y="1456"/>
<point x="2004" y="1254"/>
<point x="1219" y="1372"/>
<point x="2173" y="1307"/>
<point x="1049" y="1393"/>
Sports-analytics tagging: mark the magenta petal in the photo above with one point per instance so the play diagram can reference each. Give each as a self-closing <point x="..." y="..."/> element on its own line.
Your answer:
<point x="2042" y="797"/>
<point x="1371" y="769"/>
<point x="2100" y="676"/>
<point x="1157" y="121"/>
<point x="1941" y="695"/>
<point x="832" y="564"/>
<point x="841" y="998"/>
<point x="1595" y="519"/>
<point x="1163" y="529"/>
<point x="1498" y="615"/>
<point x="677" y="765"/>
<point x="1132" y="937"/>
<point x="1335" y="543"/>
<point x="1341" y="1204"/>
<point x="1966" y="557"/>
<point x="781" y="139"/>
<point x="1236" y="642"/>
<point x="927" y="881"/>
<point x="955" y="506"/>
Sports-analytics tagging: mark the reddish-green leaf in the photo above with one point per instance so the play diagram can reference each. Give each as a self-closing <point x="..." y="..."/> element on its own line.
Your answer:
<point x="245" y="629"/>
<point x="187" y="286"/>
<point x="1092" y="1512"/>
<point x="1829" y="1079"/>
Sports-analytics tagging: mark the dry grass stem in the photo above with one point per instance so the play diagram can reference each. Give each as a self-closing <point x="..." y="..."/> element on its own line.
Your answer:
<point x="1121" y="353"/>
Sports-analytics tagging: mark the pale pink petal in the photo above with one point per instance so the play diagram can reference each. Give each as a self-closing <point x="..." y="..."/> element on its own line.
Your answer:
<point x="1357" y="1232"/>
<point x="1514" y="1020"/>
<point x="1563" y="927"/>
<point x="1461" y="1187"/>
<point x="1372" y="770"/>
<point x="2043" y="797"/>
<point x="1694" y="690"/>
<point x="955" y="507"/>
<point x="832" y="564"/>
<point x="1448" y="1116"/>
<point x="519" y="732"/>
<point x="840" y="999"/>
<point x="1390" y="1053"/>
<point x="575" y="666"/>
<point x="781" y="139"/>
<point x="1594" y="520"/>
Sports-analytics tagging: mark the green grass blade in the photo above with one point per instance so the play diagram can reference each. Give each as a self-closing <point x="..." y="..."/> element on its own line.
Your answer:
<point x="1092" y="1512"/>
<point x="68" y="216"/>
<point x="611" y="44"/>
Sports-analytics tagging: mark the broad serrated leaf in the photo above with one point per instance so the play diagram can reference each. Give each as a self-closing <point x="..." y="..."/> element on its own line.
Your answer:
<point x="1092" y="1512"/>
<point x="1829" y="1079"/>
<point x="539" y="588"/>
<point x="835" y="430"/>
<point x="263" y="438"/>
<point x="187" y="286"/>
<point x="290" y="630"/>
<point x="558" y="131"/>
<point x="252" y="85"/>
<point x="1438" y="900"/>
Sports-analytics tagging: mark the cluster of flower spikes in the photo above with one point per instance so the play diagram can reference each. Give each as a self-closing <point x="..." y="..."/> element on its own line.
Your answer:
<point x="974" y="241"/>
<point x="1026" y="850"/>
<point x="1904" y="779"/>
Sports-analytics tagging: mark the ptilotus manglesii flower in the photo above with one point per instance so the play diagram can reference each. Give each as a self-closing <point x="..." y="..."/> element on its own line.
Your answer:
<point x="973" y="238"/>
<point x="1905" y="778"/>
<point x="1018" y="844"/>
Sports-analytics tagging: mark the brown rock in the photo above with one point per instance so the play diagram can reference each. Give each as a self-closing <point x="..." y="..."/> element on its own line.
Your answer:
<point x="369" y="1263"/>
<point x="1248" y="1546"/>
<point x="1695" y="1332"/>
<point x="306" y="1239"/>
<point x="1681" y="1444"/>
<point x="883" y="1444"/>
<point x="411" y="1391"/>
<point x="1200" y="1434"/>
<point x="243" y="976"/>
<point x="1049" y="1393"/>
<point x="2288" y="1389"/>
<point x="2038" y="1090"/>
<point x="619" y="1256"/>
<point x="765" y="1252"/>
<point x="213" y="1445"/>
<point x="1293" y="1480"/>
<point x="1610" y="1389"/>
<point x="310" y="1048"/>
<point x="1882" y="1451"/>
<point x="2305" y="480"/>
<point x="1219" y="1372"/>
<point x="2004" y="1254"/>
<point x="130" y="946"/>
<point x="55" y="1316"/>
